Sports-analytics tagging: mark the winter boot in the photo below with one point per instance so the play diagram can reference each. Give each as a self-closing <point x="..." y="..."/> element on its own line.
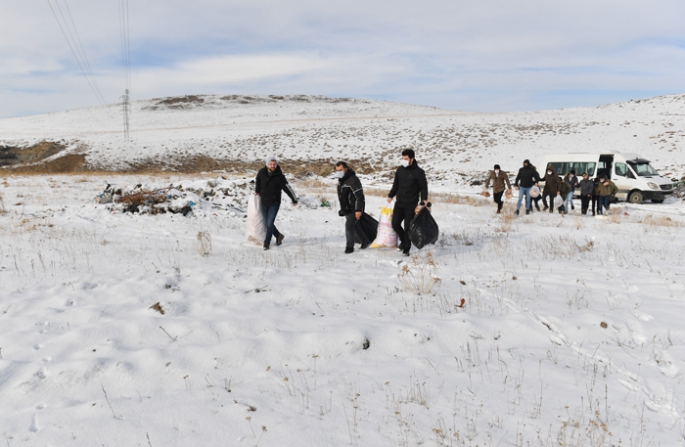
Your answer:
<point x="279" y="239"/>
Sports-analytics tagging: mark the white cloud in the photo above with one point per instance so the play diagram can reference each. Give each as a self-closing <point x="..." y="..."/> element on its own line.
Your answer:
<point x="491" y="54"/>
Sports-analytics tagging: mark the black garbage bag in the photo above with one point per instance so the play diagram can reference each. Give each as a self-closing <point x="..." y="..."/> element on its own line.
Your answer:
<point x="423" y="229"/>
<point x="366" y="229"/>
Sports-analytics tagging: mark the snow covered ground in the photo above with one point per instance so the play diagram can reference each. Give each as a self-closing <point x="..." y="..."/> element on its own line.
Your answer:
<point x="454" y="146"/>
<point x="570" y="333"/>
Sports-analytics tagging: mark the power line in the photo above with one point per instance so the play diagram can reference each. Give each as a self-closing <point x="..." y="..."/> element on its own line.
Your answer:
<point x="83" y="52"/>
<point x="125" y="39"/>
<point x="89" y="78"/>
<point x="124" y="29"/>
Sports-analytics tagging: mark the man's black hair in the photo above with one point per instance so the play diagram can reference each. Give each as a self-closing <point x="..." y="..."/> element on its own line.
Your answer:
<point x="409" y="153"/>
<point x="343" y="164"/>
<point x="497" y="167"/>
<point x="573" y="172"/>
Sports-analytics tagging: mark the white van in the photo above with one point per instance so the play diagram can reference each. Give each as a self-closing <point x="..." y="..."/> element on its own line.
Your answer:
<point x="635" y="178"/>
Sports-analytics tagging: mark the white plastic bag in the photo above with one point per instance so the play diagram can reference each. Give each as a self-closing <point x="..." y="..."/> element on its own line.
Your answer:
<point x="558" y="202"/>
<point x="386" y="235"/>
<point x="256" y="230"/>
<point x="534" y="192"/>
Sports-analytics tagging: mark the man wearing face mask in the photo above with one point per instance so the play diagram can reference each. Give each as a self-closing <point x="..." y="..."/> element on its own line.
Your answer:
<point x="526" y="178"/>
<point x="351" y="197"/>
<point x="409" y="187"/>
<point x="552" y="187"/>
<point x="499" y="178"/>
<point x="269" y="183"/>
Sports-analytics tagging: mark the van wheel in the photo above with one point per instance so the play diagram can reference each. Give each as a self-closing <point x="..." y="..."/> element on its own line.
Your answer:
<point x="657" y="200"/>
<point x="635" y="197"/>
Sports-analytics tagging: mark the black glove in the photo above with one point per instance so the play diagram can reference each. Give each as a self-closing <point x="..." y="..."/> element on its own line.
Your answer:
<point x="341" y="213"/>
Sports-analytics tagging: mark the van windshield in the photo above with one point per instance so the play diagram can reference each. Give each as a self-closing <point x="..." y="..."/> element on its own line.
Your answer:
<point x="643" y="169"/>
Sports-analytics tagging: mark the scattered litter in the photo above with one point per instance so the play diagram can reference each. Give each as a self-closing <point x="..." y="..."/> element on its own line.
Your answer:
<point x="188" y="198"/>
<point x="158" y="307"/>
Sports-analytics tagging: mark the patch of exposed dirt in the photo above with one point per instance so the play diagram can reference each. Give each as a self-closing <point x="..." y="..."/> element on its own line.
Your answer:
<point x="204" y="163"/>
<point x="10" y="156"/>
<point x="62" y="165"/>
<point x="192" y="101"/>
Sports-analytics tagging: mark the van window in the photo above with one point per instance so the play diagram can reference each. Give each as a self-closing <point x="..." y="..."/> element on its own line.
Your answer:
<point x="621" y="169"/>
<point x="563" y="168"/>
<point x="644" y="169"/>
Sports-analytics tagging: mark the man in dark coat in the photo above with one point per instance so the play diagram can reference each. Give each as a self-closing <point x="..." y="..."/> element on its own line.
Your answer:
<point x="410" y="188"/>
<point x="552" y="187"/>
<point x="351" y="197"/>
<point x="269" y="184"/>
<point x="526" y="179"/>
<point x="499" y="178"/>
<point x="587" y="188"/>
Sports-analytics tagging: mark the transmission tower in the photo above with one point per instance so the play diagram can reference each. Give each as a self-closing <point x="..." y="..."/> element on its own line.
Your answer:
<point x="126" y="107"/>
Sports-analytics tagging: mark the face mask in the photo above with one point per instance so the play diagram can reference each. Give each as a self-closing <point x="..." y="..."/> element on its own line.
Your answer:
<point x="496" y="171"/>
<point x="340" y="174"/>
<point x="404" y="162"/>
<point x="549" y="172"/>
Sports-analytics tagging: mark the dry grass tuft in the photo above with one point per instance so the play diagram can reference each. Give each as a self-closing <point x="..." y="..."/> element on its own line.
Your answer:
<point x="2" y="206"/>
<point x="472" y="200"/>
<point x="420" y="277"/>
<point x="661" y="221"/>
<point x="204" y="243"/>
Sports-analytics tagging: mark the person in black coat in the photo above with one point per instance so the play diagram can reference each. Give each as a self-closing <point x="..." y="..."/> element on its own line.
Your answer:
<point x="269" y="184"/>
<point x="410" y="189"/>
<point x="351" y="197"/>
<point x="526" y="179"/>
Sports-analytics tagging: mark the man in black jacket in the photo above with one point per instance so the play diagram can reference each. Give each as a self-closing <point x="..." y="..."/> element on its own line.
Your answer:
<point x="269" y="183"/>
<point x="409" y="186"/>
<point x="526" y="179"/>
<point x="351" y="197"/>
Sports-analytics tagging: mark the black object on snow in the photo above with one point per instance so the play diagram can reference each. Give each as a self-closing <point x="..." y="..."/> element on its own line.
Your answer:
<point x="366" y="229"/>
<point x="423" y="229"/>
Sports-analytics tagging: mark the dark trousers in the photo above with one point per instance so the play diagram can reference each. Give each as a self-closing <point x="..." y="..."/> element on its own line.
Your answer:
<point x="498" y="199"/>
<point x="544" y="200"/>
<point x="595" y="204"/>
<point x="351" y="222"/>
<point x="536" y="202"/>
<point x="584" y="203"/>
<point x="269" y="213"/>
<point x="603" y="206"/>
<point x="403" y="214"/>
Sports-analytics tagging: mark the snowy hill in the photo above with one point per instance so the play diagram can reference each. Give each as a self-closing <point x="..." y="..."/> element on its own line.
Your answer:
<point x="238" y="131"/>
<point x="167" y="327"/>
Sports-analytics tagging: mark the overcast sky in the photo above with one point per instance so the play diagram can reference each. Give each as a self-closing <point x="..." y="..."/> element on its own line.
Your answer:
<point x="480" y="55"/>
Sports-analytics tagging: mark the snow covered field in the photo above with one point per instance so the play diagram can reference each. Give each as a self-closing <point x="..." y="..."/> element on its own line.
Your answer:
<point x="454" y="146"/>
<point x="570" y="333"/>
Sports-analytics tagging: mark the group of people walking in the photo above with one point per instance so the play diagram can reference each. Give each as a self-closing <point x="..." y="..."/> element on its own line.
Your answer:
<point x="409" y="190"/>
<point x="599" y="192"/>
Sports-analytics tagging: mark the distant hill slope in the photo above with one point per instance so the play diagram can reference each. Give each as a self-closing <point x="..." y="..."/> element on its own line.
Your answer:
<point x="205" y="132"/>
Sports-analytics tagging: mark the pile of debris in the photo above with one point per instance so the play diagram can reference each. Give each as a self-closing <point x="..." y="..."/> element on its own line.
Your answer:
<point x="187" y="198"/>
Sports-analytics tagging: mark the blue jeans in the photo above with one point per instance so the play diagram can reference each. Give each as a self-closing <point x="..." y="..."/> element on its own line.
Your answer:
<point x="569" y="201"/>
<point x="523" y="192"/>
<point x="603" y="204"/>
<point x="269" y="213"/>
